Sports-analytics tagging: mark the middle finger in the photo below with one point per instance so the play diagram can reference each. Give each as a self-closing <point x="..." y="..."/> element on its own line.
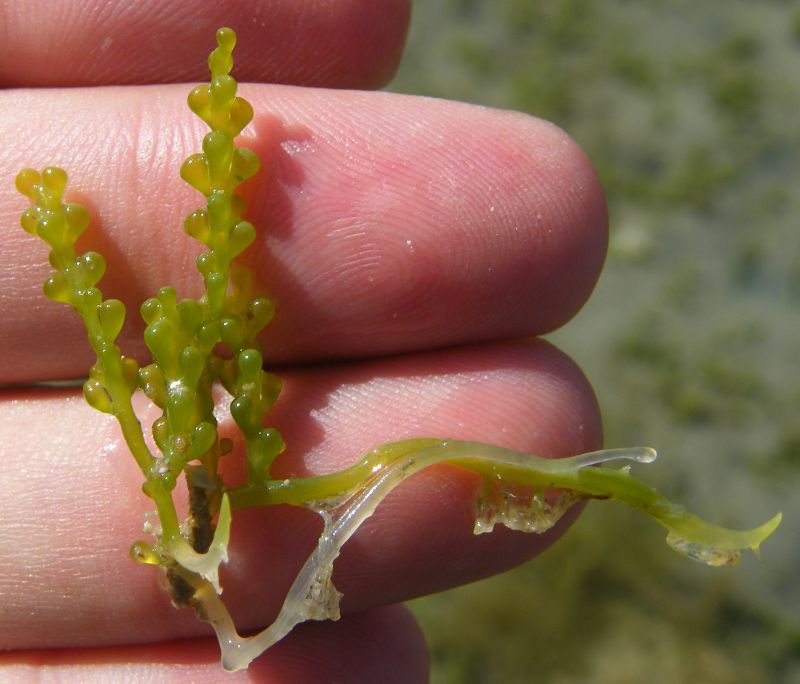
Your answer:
<point x="386" y="223"/>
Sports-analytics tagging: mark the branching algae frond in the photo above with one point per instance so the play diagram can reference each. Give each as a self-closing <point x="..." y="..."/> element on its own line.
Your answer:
<point x="520" y="491"/>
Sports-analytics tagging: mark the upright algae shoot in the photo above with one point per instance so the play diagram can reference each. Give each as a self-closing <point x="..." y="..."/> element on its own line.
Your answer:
<point x="185" y="338"/>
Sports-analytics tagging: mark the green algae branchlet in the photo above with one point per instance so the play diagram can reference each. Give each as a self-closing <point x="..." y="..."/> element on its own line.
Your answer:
<point x="185" y="338"/>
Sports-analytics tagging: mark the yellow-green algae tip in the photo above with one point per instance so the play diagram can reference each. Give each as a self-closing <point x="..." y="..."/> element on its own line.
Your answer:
<point x="220" y="61"/>
<point x="717" y="546"/>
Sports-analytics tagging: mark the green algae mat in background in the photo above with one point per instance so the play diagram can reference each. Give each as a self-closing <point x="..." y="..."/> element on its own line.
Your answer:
<point x="689" y="113"/>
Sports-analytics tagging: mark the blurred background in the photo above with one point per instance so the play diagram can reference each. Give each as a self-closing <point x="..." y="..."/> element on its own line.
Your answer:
<point x="689" y="111"/>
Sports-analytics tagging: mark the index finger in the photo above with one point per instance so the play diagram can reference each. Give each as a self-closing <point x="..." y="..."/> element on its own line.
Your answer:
<point x="73" y="502"/>
<point x="344" y="44"/>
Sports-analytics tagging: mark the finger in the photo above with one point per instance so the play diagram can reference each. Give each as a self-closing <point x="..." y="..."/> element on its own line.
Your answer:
<point x="347" y="44"/>
<point x="387" y="223"/>
<point x="73" y="503"/>
<point x="382" y="645"/>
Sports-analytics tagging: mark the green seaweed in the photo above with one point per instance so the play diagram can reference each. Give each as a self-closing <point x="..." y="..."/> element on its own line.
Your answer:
<point x="520" y="491"/>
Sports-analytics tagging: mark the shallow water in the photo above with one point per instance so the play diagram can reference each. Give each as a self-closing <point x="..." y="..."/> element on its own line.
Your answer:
<point x="689" y="112"/>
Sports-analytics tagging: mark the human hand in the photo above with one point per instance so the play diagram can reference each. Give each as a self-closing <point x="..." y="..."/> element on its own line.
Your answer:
<point x="425" y="230"/>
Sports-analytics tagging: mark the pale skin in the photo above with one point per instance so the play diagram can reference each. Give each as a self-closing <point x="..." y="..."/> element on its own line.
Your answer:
<point x="412" y="247"/>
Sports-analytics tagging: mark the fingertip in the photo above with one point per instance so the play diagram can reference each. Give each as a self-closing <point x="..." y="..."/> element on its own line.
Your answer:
<point x="567" y="207"/>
